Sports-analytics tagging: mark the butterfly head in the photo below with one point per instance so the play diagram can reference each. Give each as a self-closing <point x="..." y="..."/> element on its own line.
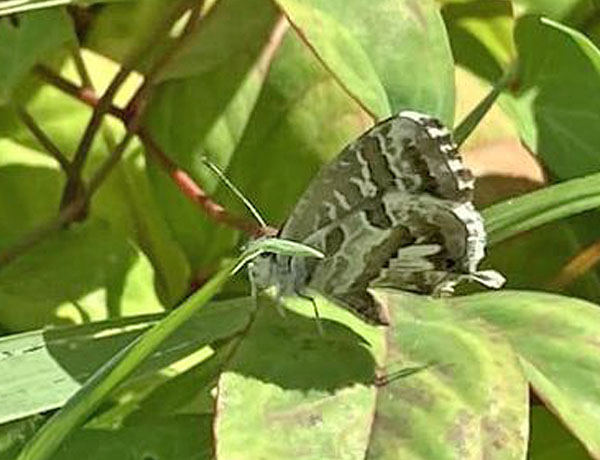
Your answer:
<point x="279" y="263"/>
<point x="261" y="270"/>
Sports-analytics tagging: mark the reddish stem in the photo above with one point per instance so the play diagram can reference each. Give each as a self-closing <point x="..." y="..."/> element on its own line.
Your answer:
<point x="196" y="194"/>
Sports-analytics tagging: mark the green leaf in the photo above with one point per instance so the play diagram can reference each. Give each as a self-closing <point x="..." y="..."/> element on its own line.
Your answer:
<point x="559" y="125"/>
<point x="13" y="435"/>
<point x="302" y="118"/>
<point x="197" y="57"/>
<point x="202" y="107"/>
<point x="84" y="273"/>
<point x="189" y="437"/>
<point x="112" y="32"/>
<point x="481" y="35"/>
<point x="19" y="168"/>
<point x="550" y="440"/>
<point x="341" y="53"/>
<point x="98" y="387"/>
<point x="560" y="10"/>
<point x="470" y="398"/>
<point x="526" y="212"/>
<point x="279" y="382"/>
<point x="35" y="36"/>
<point x="124" y="200"/>
<point x="371" y="46"/>
<point x="27" y="6"/>
<point x="192" y="391"/>
<point x="556" y="102"/>
<point x="48" y="367"/>
<point x="557" y="340"/>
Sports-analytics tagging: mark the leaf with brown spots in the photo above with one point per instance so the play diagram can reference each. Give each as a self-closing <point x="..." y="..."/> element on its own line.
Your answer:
<point x="471" y="401"/>
<point x="558" y="343"/>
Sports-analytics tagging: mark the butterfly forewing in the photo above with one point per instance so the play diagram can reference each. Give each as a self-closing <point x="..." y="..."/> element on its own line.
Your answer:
<point x="408" y="152"/>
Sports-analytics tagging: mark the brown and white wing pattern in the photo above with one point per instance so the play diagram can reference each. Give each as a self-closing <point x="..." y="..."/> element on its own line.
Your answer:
<point x="393" y="209"/>
<point x="408" y="152"/>
<point x="427" y="246"/>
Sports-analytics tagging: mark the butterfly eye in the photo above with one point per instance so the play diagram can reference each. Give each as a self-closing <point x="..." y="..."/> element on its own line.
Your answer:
<point x="450" y="264"/>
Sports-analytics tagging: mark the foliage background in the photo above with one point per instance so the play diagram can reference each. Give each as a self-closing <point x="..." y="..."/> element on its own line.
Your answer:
<point x="270" y="90"/>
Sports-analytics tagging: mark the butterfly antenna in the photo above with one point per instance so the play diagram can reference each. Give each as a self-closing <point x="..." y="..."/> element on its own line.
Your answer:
<point x="215" y="169"/>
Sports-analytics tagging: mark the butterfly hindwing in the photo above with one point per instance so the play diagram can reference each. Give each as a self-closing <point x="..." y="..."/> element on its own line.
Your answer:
<point x="422" y="244"/>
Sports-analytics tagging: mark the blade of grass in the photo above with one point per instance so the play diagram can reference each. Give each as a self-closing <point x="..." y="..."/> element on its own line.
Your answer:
<point x="99" y="386"/>
<point x="527" y="212"/>
<point x="22" y="7"/>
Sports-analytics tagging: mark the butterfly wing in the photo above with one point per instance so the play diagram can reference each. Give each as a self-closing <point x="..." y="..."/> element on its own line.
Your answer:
<point x="394" y="209"/>
<point x="428" y="245"/>
<point x="408" y="152"/>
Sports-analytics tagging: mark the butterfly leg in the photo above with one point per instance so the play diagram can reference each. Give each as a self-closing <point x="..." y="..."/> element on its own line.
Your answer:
<point x="279" y="304"/>
<point x="253" y="288"/>
<point x="315" y="309"/>
<point x="445" y="287"/>
<point x="251" y="278"/>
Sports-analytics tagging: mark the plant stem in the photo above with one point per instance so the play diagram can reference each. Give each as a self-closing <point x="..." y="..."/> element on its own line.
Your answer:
<point x="66" y="215"/>
<point x="73" y="187"/>
<point x="86" y="81"/>
<point x="104" y="170"/>
<point x="578" y="266"/>
<point x="100" y="109"/>
<point x="75" y="195"/>
<point x="141" y="95"/>
<point x="183" y="181"/>
<point x="84" y="95"/>
<point x="470" y="122"/>
<point x="196" y="194"/>
<point x="43" y="139"/>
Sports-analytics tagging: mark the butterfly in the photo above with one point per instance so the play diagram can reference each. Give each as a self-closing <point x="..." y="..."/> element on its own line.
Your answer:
<point x="393" y="209"/>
